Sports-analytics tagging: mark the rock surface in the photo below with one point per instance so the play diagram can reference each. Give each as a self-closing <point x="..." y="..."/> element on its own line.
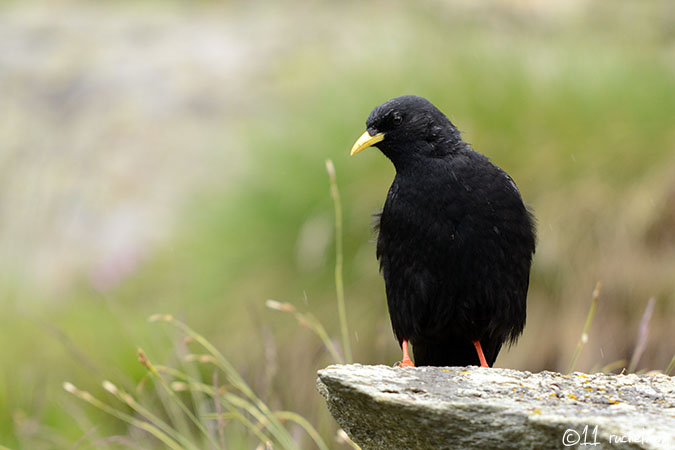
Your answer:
<point x="474" y="408"/>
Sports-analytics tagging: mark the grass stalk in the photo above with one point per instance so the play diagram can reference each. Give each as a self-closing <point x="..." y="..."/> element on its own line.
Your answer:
<point x="583" y="339"/>
<point x="339" y="283"/>
<point x="304" y="423"/>
<point x="307" y="320"/>
<point x="148" y="365"/>
<point x="643" y="335"/>
<point x="198" y="400"/>
<point x="671" y="366"/>
<point x="150" y="428"/>
<point x="276" y="428"/>
<point x="234" y="403"/>
<point x="614" y="365"/>
<point x="220" y="424"/>
<point x="140" y="409"/>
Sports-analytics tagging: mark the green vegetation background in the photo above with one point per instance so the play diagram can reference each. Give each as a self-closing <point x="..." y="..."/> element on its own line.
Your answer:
<point x="576" y="102"/>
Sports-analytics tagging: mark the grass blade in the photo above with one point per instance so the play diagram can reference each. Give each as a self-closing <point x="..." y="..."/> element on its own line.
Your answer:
<point x="129" y="400"/>
<point x="309" y="429"/>
<point x="308" y="321"/>
<point x="671" y="366"/>
<point x="339" y="284"/>
<point x="587" y="326"/>
<point x="146" y="362"/>
<point x="153" y="430"/>
<point x="643" y="334"/>
<point x="232" y="402"/>
<point x="276" y="428"/>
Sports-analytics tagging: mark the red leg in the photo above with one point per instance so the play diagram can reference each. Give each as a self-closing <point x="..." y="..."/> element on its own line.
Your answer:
<point x="405" y="362"/>
<point x="479" y="350"/>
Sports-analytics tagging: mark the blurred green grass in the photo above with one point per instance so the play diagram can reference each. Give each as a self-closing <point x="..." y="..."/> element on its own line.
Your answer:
<point x="577" y="107"/>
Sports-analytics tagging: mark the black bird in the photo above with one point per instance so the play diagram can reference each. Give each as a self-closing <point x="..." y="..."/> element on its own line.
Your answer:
<point x="455" y="240"/>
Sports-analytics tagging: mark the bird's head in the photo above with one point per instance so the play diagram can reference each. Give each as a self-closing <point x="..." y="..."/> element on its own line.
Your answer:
<point x="406" y="128"/>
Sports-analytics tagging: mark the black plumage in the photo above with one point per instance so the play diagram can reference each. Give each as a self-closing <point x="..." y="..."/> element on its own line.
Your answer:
<point x="455" y="240"/>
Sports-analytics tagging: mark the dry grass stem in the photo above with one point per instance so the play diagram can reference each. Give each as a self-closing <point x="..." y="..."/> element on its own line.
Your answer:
<point x="587" y="326"/>
<point x="643" y="335"/>
<point x="339" y="283"/>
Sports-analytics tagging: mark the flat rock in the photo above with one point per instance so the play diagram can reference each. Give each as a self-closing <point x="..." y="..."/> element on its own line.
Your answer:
<point x="382" y="407"/>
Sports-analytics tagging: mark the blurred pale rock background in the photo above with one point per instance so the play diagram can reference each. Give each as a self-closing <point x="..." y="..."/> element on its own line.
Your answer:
<point x="169" y="157"/>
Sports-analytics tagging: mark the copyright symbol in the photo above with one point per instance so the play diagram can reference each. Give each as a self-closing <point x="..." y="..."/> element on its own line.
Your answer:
<point x="570" y="437"/>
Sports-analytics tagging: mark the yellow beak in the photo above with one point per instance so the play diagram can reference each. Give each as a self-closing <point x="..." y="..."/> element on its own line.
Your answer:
<point x="365" y="141"/>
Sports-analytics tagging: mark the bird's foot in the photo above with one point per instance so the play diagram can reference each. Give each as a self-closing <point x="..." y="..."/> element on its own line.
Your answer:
<point x="481" y="357"/>
<point x="405" y="362"/>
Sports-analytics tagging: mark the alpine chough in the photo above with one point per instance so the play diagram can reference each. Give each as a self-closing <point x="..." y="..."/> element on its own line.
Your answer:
<point x="455" y="240"/>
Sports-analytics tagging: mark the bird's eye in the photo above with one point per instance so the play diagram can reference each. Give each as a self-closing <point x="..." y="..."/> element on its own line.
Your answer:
<point x="397" y="119"/>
